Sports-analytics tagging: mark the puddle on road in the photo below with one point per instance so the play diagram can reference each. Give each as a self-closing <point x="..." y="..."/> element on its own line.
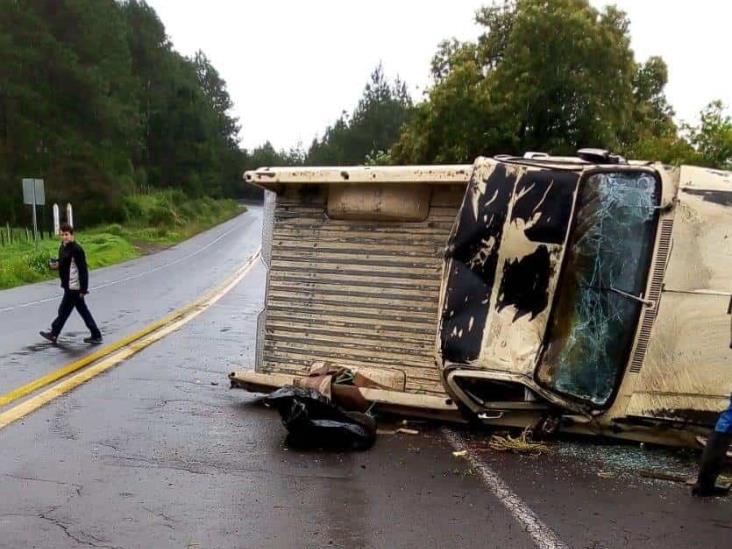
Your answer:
<point x="67" y="348"/>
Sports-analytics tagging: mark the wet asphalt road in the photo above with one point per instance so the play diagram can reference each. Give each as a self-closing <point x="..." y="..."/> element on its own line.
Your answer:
<point x="123" y="298"/>
<point x="158" y="452"/>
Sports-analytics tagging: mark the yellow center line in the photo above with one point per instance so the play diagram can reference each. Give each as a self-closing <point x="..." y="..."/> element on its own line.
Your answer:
<point x="112" y="355"/>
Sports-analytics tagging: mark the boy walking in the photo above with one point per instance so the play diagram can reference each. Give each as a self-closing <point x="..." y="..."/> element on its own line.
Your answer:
<point x="74" y="274"/>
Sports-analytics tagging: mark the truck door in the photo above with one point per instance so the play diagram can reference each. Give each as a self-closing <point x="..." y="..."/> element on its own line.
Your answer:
<point x="687" y="372"/>
<point x="502" y="267"/>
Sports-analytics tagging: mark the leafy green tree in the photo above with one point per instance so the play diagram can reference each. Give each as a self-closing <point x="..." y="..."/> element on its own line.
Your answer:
<point x="712" y="139"/>
<point x="66" y="95"/>
<point x="190" y="138"/>
<point x="549" y="76"/>
<point x="708" y="143"/>
<point x="214" y="89"/>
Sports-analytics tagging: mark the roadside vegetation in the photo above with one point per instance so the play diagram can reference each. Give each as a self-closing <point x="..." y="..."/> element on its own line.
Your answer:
<point x="95" y="100"/>
<point x="151" y="222"/>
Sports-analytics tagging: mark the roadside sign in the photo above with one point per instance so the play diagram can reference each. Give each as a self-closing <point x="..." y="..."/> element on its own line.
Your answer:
<point x="35" y="195"/>
<point x="28" y="190"/>
<point x="34" y="192"/>
<point x="40" y="192"/>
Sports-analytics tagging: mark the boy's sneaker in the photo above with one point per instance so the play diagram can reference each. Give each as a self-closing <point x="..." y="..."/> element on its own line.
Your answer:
<point x="93" y="340"/>
<point x="50" y="336"/>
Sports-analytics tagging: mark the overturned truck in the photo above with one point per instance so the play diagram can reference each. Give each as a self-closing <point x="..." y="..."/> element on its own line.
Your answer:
<point x="582" y="294"/>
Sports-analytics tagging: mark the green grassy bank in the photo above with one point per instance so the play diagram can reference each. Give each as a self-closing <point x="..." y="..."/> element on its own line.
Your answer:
<point x="152" y="222"/>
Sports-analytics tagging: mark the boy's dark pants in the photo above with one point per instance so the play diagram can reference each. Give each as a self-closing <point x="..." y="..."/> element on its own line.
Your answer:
<point x="71" y="299"/>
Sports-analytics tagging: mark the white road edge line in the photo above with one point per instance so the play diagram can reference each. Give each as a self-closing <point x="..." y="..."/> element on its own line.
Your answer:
<point x="127" y="278"/>
<point x="541" y="534"/>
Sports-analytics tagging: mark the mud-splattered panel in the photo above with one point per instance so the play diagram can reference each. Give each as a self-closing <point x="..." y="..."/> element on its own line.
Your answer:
<point x="702" y="251"/>
<point x="529" y="263"/>
<point x="688" y="364"/>
<point x="473" y="249"/>
<point x="505" y="249"/>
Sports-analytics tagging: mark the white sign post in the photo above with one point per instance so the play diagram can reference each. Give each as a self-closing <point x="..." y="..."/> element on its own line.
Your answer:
<point x="34" y="194"/>
<point x="69" y="214"/>
<point x="56" y="220"/>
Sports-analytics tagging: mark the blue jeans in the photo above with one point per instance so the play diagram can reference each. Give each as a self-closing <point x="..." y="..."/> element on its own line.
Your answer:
<point x="724" y="423"/>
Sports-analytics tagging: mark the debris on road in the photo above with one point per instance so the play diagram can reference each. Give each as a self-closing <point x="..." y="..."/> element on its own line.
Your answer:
<point x="315" y="421"/>
<point x="521" y="444"/>
<point x="680" y="478"/>
<point x="329" y="403"/>
<point x="326" y="409"/>
<point x="663" y="475"/>
<point x="460" y="453"/>
<point x="397" y="431"/>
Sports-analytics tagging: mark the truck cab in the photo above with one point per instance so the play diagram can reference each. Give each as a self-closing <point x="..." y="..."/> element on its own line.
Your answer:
<point x="590" y="292"/>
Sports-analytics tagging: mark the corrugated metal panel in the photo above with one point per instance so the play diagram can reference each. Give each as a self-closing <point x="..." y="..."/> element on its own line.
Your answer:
<point x="358" y="293"/>
<point x="270" y="203"/>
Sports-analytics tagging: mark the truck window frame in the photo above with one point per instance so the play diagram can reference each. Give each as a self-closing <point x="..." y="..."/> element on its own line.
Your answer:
<point x="653" y="240"/>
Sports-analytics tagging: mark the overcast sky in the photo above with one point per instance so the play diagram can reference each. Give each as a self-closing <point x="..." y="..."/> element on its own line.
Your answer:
<point x="292" y="66"/>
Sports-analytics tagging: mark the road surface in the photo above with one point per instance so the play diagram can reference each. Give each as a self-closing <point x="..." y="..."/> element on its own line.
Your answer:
<point x="158" y="452"/>
<point x="123" y="298"/>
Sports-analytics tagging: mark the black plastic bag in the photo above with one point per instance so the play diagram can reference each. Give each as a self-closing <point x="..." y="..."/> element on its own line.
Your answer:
<point x="313" y="421"/>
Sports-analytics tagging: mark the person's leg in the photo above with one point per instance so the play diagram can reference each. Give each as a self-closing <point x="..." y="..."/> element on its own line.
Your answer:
<point x="64" y="310"/>
<point x="711" y="464"/>
<point x="713" y="457"/>
<point x="87" y="317"/>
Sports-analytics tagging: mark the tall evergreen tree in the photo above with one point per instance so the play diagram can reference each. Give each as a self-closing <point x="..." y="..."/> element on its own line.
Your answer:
<point x="373" y="126"/>
<point x="94" y="99"/>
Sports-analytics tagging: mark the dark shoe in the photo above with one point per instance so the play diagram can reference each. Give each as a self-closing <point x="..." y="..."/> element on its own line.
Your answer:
<point x="709" y="491"/>
<point x="710" y="466"/>
<point x="50" y="336"/>
<point x="93" y="340"/>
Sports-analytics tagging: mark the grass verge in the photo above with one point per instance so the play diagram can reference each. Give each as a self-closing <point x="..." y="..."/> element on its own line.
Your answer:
<point x="153" y="222"/>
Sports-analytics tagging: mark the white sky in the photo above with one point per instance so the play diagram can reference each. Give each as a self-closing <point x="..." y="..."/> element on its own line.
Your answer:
<point x="292" y="66"/>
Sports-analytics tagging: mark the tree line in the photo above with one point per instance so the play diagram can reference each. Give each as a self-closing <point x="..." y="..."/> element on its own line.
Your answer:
<point x="542" y="76"/>
<point x="94" y="99"/>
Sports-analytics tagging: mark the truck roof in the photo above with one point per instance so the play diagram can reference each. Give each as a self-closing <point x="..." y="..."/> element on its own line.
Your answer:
<point x="450" y="174"/>
<point x="434" y="175"/>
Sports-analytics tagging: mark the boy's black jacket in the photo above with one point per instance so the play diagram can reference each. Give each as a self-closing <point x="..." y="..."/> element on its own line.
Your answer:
<point x="65" y="254"/>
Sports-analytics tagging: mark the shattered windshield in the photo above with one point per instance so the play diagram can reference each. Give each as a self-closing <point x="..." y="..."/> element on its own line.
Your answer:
<point x="600" y="289"/>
